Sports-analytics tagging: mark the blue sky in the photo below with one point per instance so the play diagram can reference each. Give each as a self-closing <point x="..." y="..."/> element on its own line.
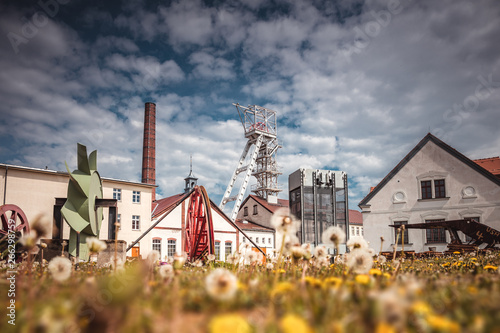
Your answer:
<point x="356" y="84"/>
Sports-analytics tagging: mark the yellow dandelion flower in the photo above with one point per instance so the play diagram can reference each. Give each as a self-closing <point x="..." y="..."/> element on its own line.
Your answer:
<point x="473" y="259"/>
<point x="420" y="308"/>
<point x="385" y="328"/>
<point x="229" y="323"/>
<point x="375" y="271"/>
<point x="294" y="324"/>
<point x="332" y="281"/>
<point x="442" y="324"/>
<point x="313" y="282"/>
<point x="281" y="288"/>
<point x="446" y="264"/>
<point x="387" y="275"/>
<point x="457" y="252"/>
<point x="490" y="267"/>
<point x="362" y="279"/>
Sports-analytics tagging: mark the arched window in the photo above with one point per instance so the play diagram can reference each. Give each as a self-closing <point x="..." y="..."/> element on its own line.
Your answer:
<point x="217" y="250"/>
<point x="229" y="249"/>
<point x="171" y="247"/>
<point x="157" y="245"/>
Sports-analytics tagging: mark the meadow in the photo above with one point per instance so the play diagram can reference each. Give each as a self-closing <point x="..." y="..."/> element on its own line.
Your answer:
<point x="294" y="289"/>
<point x="456" y="293"/>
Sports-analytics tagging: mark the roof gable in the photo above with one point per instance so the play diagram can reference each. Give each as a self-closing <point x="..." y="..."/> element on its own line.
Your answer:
<point x="414" y="151"/>
<point x="270" y="207"/>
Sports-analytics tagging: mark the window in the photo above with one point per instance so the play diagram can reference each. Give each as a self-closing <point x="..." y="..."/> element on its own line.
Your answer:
<point x="244" y="239"/>
<point x="157" y="245"/>
<point x="245" y="211"/>
<point x="269" y="240"/>
<point x="171" y="248"/>
<point x="229" y="249"/>
<point x="119" y="220"/>
<point x="435" y="235"/>
<point x="257" y="240"/>
<point x="217" y="250"/>
<point x="136" y="222"/>
<point x="439" y="189"/>
<point x="426" y="189"/>
<point x="136" y="196"/>
<point x="402" y="235"/>
<point x="117" y="194"/>
<point x="254" y="209"/>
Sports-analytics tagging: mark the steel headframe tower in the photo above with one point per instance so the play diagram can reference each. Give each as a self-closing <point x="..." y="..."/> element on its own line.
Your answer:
<point x="261" y="130"/>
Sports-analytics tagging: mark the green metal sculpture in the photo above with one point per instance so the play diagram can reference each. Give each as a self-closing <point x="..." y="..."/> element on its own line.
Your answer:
<point x="80" y="211"/>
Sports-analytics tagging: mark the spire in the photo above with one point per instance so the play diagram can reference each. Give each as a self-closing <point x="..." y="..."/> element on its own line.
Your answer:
<point x="190" y="180"/>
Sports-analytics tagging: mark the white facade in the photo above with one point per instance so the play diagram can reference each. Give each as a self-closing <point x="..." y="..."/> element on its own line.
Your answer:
<point x="265" y="239"/>
<point x="467" y="191"/>
<point x="167" y="236"/>
<point x="34" y="191"/>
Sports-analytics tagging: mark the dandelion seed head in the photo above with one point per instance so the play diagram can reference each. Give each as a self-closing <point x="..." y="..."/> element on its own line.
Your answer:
<point x="179" y="260"/>
<point x="320" y="251"/>
<point x="95" y="245"/>
<point x="233" y="258"/>
<point x="333" y="235"/>
<point x="211" y="257"/>
<point x="153" y="257"/>
<point x="284" y="222"/>
<point x="360" y="261"/>
<point x="60" y="268"/>
<point x="28" y="240"/>
<point x="166" y="271"/>
<point x="221" y="284"/>
<point x="357" y="242"/>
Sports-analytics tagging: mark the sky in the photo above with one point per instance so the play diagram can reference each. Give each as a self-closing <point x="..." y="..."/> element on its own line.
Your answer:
<point x="355" y="84"/>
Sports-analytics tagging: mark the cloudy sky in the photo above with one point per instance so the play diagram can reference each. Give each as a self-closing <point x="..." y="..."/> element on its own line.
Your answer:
<point x="356" y="84"/>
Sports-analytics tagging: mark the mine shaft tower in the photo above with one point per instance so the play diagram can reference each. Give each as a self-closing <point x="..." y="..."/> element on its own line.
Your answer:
<point x="261" y="130"/>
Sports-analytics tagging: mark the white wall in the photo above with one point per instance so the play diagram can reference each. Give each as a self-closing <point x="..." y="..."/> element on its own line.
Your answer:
<point x="170" y="228"/>
<point x="387" y="206"/>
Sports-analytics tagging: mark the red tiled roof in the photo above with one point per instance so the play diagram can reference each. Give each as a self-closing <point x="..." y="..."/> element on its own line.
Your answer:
<point x="251" y="226"/>
<point x="271" y="207"/>
<point x="160" y="206"/>
<point x="355" y="217"/>
<point x="492" y="164"/>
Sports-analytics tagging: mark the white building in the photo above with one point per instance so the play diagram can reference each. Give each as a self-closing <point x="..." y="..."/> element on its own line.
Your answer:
<point x="168" y="236"/>
<point x="434" y="182"/>
<point x="256" y="234"/>
<point x="35" y="190"/>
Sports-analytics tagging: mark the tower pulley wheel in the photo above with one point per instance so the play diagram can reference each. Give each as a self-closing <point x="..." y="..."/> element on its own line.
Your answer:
<point x="199" y="235"/>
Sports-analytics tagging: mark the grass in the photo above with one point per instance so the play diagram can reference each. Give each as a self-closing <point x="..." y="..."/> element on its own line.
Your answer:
<point x="456" y="293"/>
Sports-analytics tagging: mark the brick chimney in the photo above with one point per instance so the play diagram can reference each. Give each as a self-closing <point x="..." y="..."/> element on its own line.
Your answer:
<point x="149" y="146"/>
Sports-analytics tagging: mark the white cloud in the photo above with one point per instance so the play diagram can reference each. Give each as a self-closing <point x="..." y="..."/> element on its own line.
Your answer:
<point x="360" y="112"/>
<point x="209" y="67"/>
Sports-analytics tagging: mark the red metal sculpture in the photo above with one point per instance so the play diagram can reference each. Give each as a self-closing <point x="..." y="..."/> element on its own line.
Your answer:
<point x="15" y="215"/>
<point x="199" y="235"/>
